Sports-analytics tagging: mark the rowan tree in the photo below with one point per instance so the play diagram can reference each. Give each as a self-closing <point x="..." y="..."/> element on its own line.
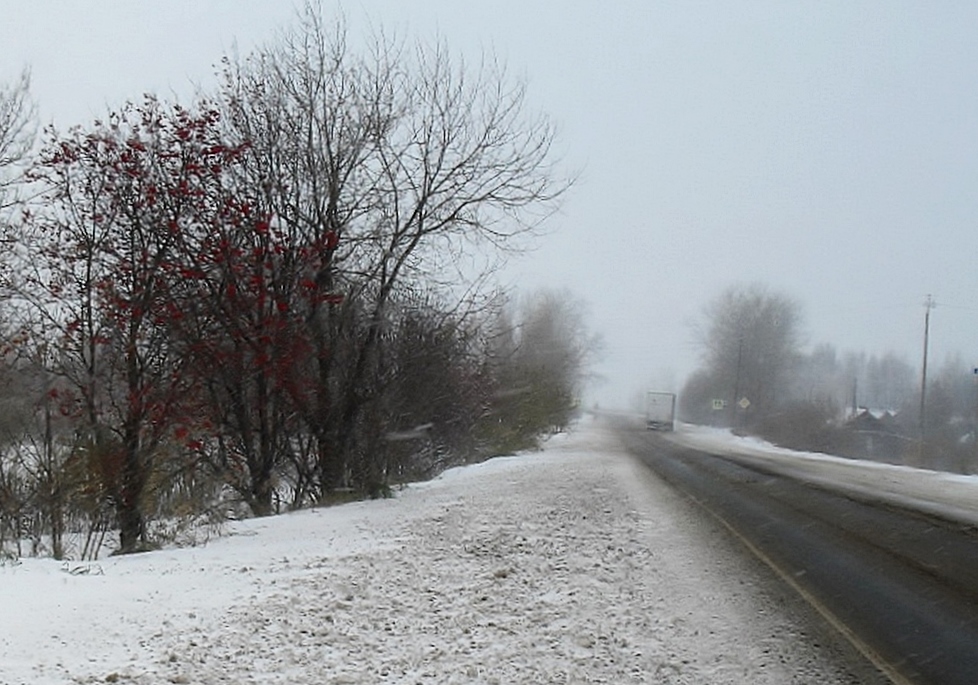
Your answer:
<point x="242" y="327"/>
<point x="120" y="198"/>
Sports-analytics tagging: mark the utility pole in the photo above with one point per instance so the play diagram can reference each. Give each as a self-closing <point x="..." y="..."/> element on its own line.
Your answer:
<point x="974" y="429"/>
<point x="928" y="305"/>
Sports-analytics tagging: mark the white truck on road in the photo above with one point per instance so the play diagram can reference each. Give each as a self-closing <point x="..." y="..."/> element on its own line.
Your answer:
<point x="660" y="411"/>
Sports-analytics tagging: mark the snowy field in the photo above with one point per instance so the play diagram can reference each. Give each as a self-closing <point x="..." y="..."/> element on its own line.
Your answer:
<point x="571" y="565"/>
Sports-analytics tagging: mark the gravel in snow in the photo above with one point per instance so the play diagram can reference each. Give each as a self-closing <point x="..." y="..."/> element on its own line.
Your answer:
<point x="570" y="565"/>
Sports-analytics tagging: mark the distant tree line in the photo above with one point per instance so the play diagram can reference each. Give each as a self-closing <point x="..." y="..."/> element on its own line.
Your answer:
<point x="756" y="378"/>
<point x="269" y="298"/>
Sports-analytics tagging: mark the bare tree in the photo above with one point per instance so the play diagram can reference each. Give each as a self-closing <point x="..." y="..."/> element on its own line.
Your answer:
<point x="312" y="113"/>
<point x="750" y="342"/>
<point x="17" y="130"/>
<point x="890" y="382"/>
<point x="387" y="165"/>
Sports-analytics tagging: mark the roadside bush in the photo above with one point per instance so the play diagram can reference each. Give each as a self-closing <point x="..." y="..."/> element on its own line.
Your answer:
<point x="807" y="426"/>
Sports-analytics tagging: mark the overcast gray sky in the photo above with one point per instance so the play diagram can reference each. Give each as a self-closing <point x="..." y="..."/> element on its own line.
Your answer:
<point x="826" y="149"/>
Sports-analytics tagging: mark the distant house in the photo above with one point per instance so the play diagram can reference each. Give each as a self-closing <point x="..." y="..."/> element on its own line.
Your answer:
<point x="873" y="434"/>
<point x="881" y="420"/>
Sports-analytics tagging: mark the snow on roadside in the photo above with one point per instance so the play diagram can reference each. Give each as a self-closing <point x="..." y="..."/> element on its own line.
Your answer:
<point x="948" y="495"/>
<point x="571" y="565"/>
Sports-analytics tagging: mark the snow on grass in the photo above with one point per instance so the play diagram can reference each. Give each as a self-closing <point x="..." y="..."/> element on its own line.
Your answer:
<point x="571" y="565"/>
<point x="948" y="495"/>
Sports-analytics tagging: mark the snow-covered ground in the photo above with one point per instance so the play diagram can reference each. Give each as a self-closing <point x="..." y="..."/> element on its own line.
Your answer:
<point x="571" y="565"/>
<point x="948" y="495"/>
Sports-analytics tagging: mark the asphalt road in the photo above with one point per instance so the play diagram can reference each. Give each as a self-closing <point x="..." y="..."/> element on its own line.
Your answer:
<point x="901" y="585"/>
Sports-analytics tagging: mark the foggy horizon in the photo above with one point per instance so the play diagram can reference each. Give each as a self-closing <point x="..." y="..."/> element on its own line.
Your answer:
<point x="826" y="151"/>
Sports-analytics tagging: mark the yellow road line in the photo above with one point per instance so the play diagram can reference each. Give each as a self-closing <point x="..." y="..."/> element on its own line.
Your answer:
<point x="871" y="654"/>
